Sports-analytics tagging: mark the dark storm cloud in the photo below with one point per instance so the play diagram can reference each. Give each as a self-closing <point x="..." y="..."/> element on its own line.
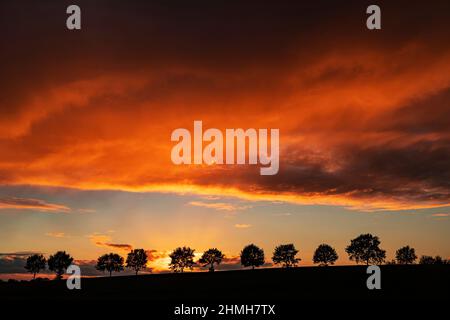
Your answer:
<point x="118" y="246"/>
<point x="38" y="51"/>
<point x="14" y="262"/>
<point x="428" y="115"/>
<point x="415" y="172"/>
<point x="371" y="107"/>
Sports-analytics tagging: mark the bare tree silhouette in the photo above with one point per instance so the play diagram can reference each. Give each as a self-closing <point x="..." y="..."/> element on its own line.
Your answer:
<point x="59" y="262"/>
<point x="182" y="258"/>
<point x="405" y="255"/>
<point x="285" y="255"/>
<point x="137" y="260"/>
<point x="210" y="257"/>
<point x="325" y="255"/>
<point x="110" y="262"/>
<point x="35" y="263"/>
<point x="252" y="256"/>
<point x="365" y="248"/>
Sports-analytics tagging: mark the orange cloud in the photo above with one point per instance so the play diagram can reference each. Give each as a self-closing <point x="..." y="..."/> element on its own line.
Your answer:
<point x="31" y="204"/>
<point x="120" y="246"/>
<point x="242" y="226"/>
<point x="282" y="214"/>
<point x="56" y="234"/>
<point x="218" y="205"/>
<point x="440" y="215"/>
<point x="158" y="260"/>
<point x="363" y="120"/>
<point x="86" y="210"/>
<point x="102" y="240"/>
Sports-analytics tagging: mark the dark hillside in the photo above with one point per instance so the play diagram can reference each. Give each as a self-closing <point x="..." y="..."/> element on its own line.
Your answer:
<point x="298" y="284"/>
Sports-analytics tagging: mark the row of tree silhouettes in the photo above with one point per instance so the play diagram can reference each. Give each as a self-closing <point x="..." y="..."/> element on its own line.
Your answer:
<point x="363" y="249"/>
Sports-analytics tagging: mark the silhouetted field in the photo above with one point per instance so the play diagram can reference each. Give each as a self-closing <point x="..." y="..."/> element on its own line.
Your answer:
<point x="269" y="285"/>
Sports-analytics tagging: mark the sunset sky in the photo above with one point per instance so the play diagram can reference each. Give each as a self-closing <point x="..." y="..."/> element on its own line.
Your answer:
<point x="86" y="118"/>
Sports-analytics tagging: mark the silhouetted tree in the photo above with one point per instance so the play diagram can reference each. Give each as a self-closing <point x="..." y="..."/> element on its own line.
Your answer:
<point x="110" y="262"/>
<point x="59" y="262"/>
<point x="438" y="260"/>
<point x="365" y="248"/>
<point x="285" y="255"/>
<point x="35" y="263"/>
<point x="137" y="260"/>
<point x="431" y="260"/>
<point x="182" y="258"/>
<point x="210" y="257"/>
<point x="252" y="256"/>
<point x="405" y="255"/>
<point x="325" y="255"/>
<point x="426" y="260"/>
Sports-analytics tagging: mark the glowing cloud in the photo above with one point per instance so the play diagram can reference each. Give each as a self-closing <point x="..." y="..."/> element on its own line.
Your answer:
<point x="31" y="204"/>
<point x="218" y="205"/>
<point x="242" y="226"/>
